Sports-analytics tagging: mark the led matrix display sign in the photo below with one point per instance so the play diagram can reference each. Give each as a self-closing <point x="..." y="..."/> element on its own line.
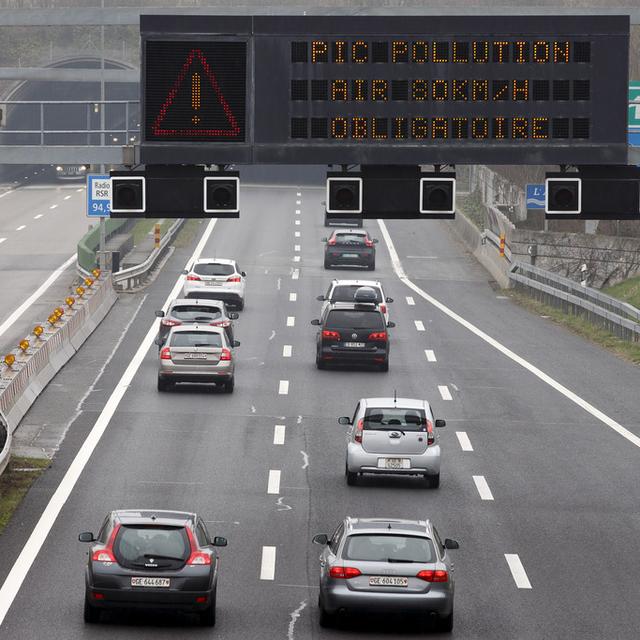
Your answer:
<point x="375" y="90"/>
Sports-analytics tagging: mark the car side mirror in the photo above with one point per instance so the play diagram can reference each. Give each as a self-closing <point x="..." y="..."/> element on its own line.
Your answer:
<point x="321" y="298"/>
<point x="243" y="274"/>
<point x="441" y="423"/>
<point x="233" y="315"/>
<point x="159" y="313"/>
<point x="219" y="541"/>
<point x="315" y="322"/>
<point x="235" y="343"/>
<point x="389" y="300"/>
<point x="324" y="240"/>
<point x="184" y="272"/>
<point x="375" y="241"/>
<point x="451" y="544"/>
<point x="390" y="325"/>
<point x="321" y="539"/>
<point x="344" y="420"/>
<point x="157" y="341"/>
<point x="86" y="536"/>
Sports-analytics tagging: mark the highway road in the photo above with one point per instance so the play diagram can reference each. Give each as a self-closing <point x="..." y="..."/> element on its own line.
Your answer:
<point x="539" y="478"/>
<point x="40" y="225"/>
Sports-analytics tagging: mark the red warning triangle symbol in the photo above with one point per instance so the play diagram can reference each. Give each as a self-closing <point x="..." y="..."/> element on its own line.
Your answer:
<point x="158" y="128"/>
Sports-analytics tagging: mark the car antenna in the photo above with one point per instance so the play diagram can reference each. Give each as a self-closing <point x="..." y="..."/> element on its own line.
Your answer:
<point x="395" y="396"/>
<point x="389" y="526"/>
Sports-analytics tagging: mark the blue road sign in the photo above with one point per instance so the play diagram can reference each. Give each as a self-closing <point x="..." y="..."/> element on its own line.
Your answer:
<point x="535" y="196"/>
<point x="98" y="196"/>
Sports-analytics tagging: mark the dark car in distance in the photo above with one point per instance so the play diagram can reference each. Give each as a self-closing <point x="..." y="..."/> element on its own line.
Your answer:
<point x="350" y="247"/>
<point x="152" y="559"/>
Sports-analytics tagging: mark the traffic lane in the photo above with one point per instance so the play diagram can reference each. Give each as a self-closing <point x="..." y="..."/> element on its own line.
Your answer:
<point x="585" y="368"/>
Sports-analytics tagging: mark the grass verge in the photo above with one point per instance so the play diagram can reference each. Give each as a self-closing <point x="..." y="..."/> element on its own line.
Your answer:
<point x="144" y="227"/>
<point x="627" y="291"/>
<point x="188" y="232"/>
<point x="627" y="350"/>
<point x="19" y="475"/>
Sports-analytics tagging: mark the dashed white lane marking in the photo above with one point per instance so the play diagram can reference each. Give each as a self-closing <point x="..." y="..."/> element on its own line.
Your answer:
<point x="295" y="274"/>
<point x="80" y="189"/>
<point x="298" y="194"/>
<point x="296" y="247"/>
<point x="517" y="571"/>
<point x="293" y="297"/>
<point x="297" y="212"/>
<point x="296" y="258"/>
<point x="273" y="484"/>
<point x="268" y="564"/>
<point x="53" y="206"/>
<point x="294" y="616"/>
<point x="502" y="297"/>
<point x="498" y="346"/>
<point x="37" y="217"/>
<point x="298" y="222"/>
<point x="283" y="388"/>
<point x="297" y="234"/>
<point x="291" y="321"/>
<point x="483" y="487"/>
<point x="298" y="201"/>
<point x="410" y="301"/>
<point x="287" y="350"/>
<point x="279" y="433"/>
<point x="305" y="459"/>
<point x="273" y="334"/>
<point x="21" y="227"/>
<point x="430" y="355"/>
<point x="444" y="392"/>
<point x="6" y="193"/>
<point x="419" y="325"/>
<point x="2" y="240"/>
<point x="463" y="439"/>
<point x="279" y="284"/>
<point x="67" y="197"/>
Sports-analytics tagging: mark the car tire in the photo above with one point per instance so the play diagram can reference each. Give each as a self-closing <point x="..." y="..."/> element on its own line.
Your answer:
<point x="372" y="265"/>
<point x="163" y="385"/>
<point x="327" y="620"/>
<point x="352" y="477"/>
<point x="446" y="624"/>
<point x="240" y="305"/>
<point x="228" y="385"/>
<point x="384" y="366"/>
<point x="432" y="480"/>
<point x="327" y="265"/>
<point x="208" y="616"/>
<point x="91" y="613"/>
<point x="320" y="364"/>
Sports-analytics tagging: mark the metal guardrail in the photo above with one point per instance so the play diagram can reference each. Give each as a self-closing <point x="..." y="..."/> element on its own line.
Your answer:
<point x="133" y="276"/>
<point x="620" y="318"/>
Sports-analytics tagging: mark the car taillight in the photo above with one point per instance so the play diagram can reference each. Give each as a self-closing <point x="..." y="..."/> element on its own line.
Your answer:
<point x="234" y="279"/>
<point x="344" y="572"/>
<point x="431" y="436"/>
<point x="359" y="430"/>
<point x="106" y="554"/>
<point x="166" y="322"/>
<point x="368" y="242"/>
<point x="378" y="336"/>
<point x="225" y="355"/>
<point x="221" y="323"/>
<point x="193" y="277"/>
<point x="197" y="557"/>
<point x="165" y="353"/>
<point x="431" y="575"/>
<point x="331" y="241"/>
<point x="383" y="308"/>
<point x="331" y="335"/>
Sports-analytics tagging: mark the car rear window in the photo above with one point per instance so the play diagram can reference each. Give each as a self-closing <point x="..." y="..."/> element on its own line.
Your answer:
<point x="196" y="339"/>
<point x="349" y="238"/>
<point x="345" y="293"/>
<point x="189" y="313"/>
<point x="213" y="269"/>
<point x="346" y="319"/>
<point x="377" y="418"/>
<point x="388" y="548"/>
<point x="148" y="545"/>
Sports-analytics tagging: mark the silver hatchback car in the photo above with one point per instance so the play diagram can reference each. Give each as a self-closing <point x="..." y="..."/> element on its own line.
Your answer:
<point x="378" y="565"/>
<point x="196" y="353"/>
<point x="393" y="436"/>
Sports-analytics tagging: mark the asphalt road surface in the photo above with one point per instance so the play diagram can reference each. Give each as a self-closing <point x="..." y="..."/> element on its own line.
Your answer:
<point x="539" y="486"/>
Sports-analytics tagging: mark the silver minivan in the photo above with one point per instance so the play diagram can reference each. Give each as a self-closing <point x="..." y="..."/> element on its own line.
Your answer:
<point x="393" y="436"/>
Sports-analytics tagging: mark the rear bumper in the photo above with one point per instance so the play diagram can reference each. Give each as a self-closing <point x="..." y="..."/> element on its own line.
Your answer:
<point x="191" y="377"/>
<point x="353" y="356"/>
<point x="178" y="373"/>
<point x="360" y="461"/>
<point x="361" y="259"/>
<point x="149" y="599"/>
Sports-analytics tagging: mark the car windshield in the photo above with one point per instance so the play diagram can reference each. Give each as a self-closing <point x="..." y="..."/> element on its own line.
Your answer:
<point x="196" y="339"/>
<point x="347" y="319"/>
<point x="388" y="548"/>
<point x="213" y="269"/>
<point x="376" y="418"/>
<point x="345" y="293"/>
<point x="349" y="238"/>
<point x="190" y="313"/>
<point x="140" y="545"/>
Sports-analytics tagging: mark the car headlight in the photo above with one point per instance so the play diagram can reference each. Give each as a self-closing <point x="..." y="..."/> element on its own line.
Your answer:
<point x="58" y="168"/>
<point x="83" y="168"/>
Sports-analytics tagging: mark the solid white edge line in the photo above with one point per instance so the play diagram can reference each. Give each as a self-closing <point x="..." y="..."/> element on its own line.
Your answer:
<point x="287" y="350"/>
<point x="517" y="571"/>
<point x="279" y="432"/>
<point x="463" y="439"/>
<point x="283" y="387"/>
<point x="430" y="355"/>
<point x="541" y="375"/>
<point x="291" y="321"/>
<point x="483" y="487"/>
<point x="444" y="392"/>
<point x="419" y="325"/>
<point x="36" y="294"/>
<point x="268" y="564"/>
<point x="21" y="566"/>
<point x="273" y="483"/>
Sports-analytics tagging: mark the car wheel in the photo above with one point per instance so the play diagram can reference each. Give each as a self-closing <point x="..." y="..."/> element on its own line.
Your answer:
<point x="384" y="366"/>
<point x="228" y="385"/>
<point x="320" y="363"/>
<point x="446" y="624"/>
<point x="163" y="385"/>
<point x="352" y="477"/>
<point x="240" y="305"/>
<point x="327" y="620"/>
<point x="91" y="613"/>
<point x="327" y="264"/>
<point x="432" y="480"/>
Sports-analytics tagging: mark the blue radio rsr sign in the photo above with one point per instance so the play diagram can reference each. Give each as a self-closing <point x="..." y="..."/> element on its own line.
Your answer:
<point x="98" y="196"/>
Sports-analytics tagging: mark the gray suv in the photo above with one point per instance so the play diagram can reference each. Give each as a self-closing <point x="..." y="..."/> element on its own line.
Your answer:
<point x="385" y="565"/>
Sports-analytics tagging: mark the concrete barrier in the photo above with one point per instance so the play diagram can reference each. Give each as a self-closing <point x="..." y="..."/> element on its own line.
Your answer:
<point x="5" y="444"/>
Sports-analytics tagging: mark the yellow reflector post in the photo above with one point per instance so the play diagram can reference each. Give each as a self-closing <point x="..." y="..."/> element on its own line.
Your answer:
<point x="37" y="331"/>
<point x="52" y="319"/>
<point x="80" y="291"/>
<point x="70" y="301"/>
<point x="9" y="359"/>
<point x="88" y="282"/>
<point x="96" y="273"/>
<point x="23" y="344"/>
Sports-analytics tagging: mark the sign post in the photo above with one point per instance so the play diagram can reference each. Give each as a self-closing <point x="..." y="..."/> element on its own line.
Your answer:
<point x="99" y="206"/>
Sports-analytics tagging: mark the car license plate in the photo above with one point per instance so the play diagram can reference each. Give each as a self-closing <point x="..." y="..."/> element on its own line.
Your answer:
<point x="394" y="463"/>
<point x="388" y="581"/>
<point x="151" y="582"/>
<point x="355" y="345"/>
<point x="195" y="356"/>
<point x="349" y="255"/>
